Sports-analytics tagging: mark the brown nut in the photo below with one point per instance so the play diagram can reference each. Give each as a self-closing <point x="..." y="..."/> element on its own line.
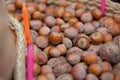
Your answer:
<point x="42" y="7"/>
<point x="41" y="77"/>
<point x="86" y="17"/>
<point x="64" y="26"/>
<point x="34" y="35"/>
<point x="91" y="77"/>
<point x="73" y="58"/>
<point x="97" y="37"/>
<point x="62" y="48"/>
<point x="55" y="37"/>
<point x="36" y="24"/>
<point x="65" y="77"/>
<point x="117" y="17"/>
<point x="55" y="29"/>
<point x="83" y="64"/>
<point x="116" y="69"/>
<point x="109" y="21"/>
<point x="72" y="21"/>
<point x="18" y="4"/>
<point x="78" y="72"/>
<point x="46" y="69"/>
<point x="59" y="21"/>
<point x="97" y="14"/>
<point x="89" y="28"/>
<point x="83" y="43"/>
<point x="49" y="11"/>
<point x="42" y="57"/>
<point x="117" y="77"/>
<point x="55" y="61"/>
<point x="79" y="12"/>
<point x="44" y="30"/>
<point x="103" y="30"/>
<point x="54" y="52"/>
<point x="79" y="26"/>
<point x="116" y="40"/>
<point x="110" y="52"/>
<point x="95" y="69"/>
<point x="106" y="66"/>
<point x="50" y="21"/>
<point x="107" y="37"/>
<point x="42" y="41"/>
<point x="80" y="5"/>
<point x="71" y="10"/>
<point x="50" y="76"/>
<point x="62" y="3"/>
<point x="71" y="32"/>
<point x="67" y="42"/>
<point x="89" y="57"/>
<point x="59" y="11"/>
<point x="37" y="15"/>
<point x="36" y="69"/>
<point x="114" y="29"/>
<point x="107" y="76"/>
<point x="46" y="50"/>
<point x="67" y="15"/>
<point x="96" y="24"/>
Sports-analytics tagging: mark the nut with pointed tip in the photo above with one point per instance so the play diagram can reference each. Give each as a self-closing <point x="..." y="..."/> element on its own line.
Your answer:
<point x="72" y="21"/>
<point x="106" y="66"/>
<point x="107" y="37"/>
<point x="80" y="5"/>
<point x="97" y="14"/>
<point x="44" y="30"/>
<point x="59" y="21"/>
<point x="50" y="21"/>
<point x="86" y="17"/>
<point x="62" y="48"/>
<point x="79" y="12"/>
<point x="79" y="26"/>
<point x="42" y="7"/>
<point x="46" y="69"/>
<point x="59" y="11"/>
<point x="67" y="15"/>
<point x="67" y="42"/>
<point x="37" y="15"/>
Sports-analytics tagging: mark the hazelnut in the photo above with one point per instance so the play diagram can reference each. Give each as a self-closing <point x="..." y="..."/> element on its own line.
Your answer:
<point x="41" y="77"/>
<point x="97" y="14"/>
<point x="107" y="76"/>
<point x="50" y="21"/>
<point x="54" y="52"/>
<point x="79" y="12"/>
<point x="36" y="49"/>
<point x="62" y="48"/>
<point x="79" y="26"/>
<point x="116" y="69"/>
<point x="72" y="21"/>
<point x="64" y="26"/>
<point x="62" y="3"/>
<point x="55" y="61"/>
<point x="67" y="42"/>
<point x="18" y="17"/>
<point x="42" y="1"/>
<point x="117" y="17"/>
<point x="110" y="52"/>
<point x="116" y="40"/>
<point x="102" y="21"/>
<point x="117" y="77"/>
<point x="83" y="64"/>
<point x="46" y="50"/>
<point x="103" y="30"/>
<point x="114" y="29"/>
<point x="78" y="72"/>
<point x="67" y="15"/>
<point x="49" y="11"/>
<point x="42" y="7"/>
<point x="36" y="24"/>
<point x="65" y="77"/>
<point x="59" y="11"/>
<point x="86" y="17"/>
<point x="44" y="30"/>
<point x="34" y="35"/>
<point x="71" y="32"/>
<point x="83" y="43"/>
<point x="75" y="48"/>
<point x="11" y="8"/>
<point x="107" y="37"/>
<point x="36" y="58"/>
<point x="36" y="69"/>
<point x="73" y="58"/>
<point x="59" y="21"/>
<point x="108" y="22"/>
<point x="46" y="69"/>
<point x="62" y="69"/>
<point x="91" y="77"/>
<point x="55" y="37"/>
<point x="96" y="24"/>
<point x="55" y="29"/>
<point x="89" y="57"/>
<point x="89" y="28"/>
<point x="97" y="37"/>
<point x="106" y="66"/>
<point x="50" y="76"/>
<point x="71" y="10"/>
<point x="95" y="69"/>
<point x="31" y="9"/>
<point x="42" y="41"/>
<point x="42" y="57"/>
<point x="80" y="5"/>
<point x="37" y="15"/>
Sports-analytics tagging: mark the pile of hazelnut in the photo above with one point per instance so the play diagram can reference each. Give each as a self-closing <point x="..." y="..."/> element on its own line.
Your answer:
<point x="71" y="42"/>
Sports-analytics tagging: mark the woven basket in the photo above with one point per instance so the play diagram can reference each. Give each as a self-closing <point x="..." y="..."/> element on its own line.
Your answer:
<point x="20" y="71"/>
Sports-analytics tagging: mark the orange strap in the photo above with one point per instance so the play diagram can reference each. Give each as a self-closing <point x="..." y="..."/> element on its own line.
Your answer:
<point x="26" y="23"/>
